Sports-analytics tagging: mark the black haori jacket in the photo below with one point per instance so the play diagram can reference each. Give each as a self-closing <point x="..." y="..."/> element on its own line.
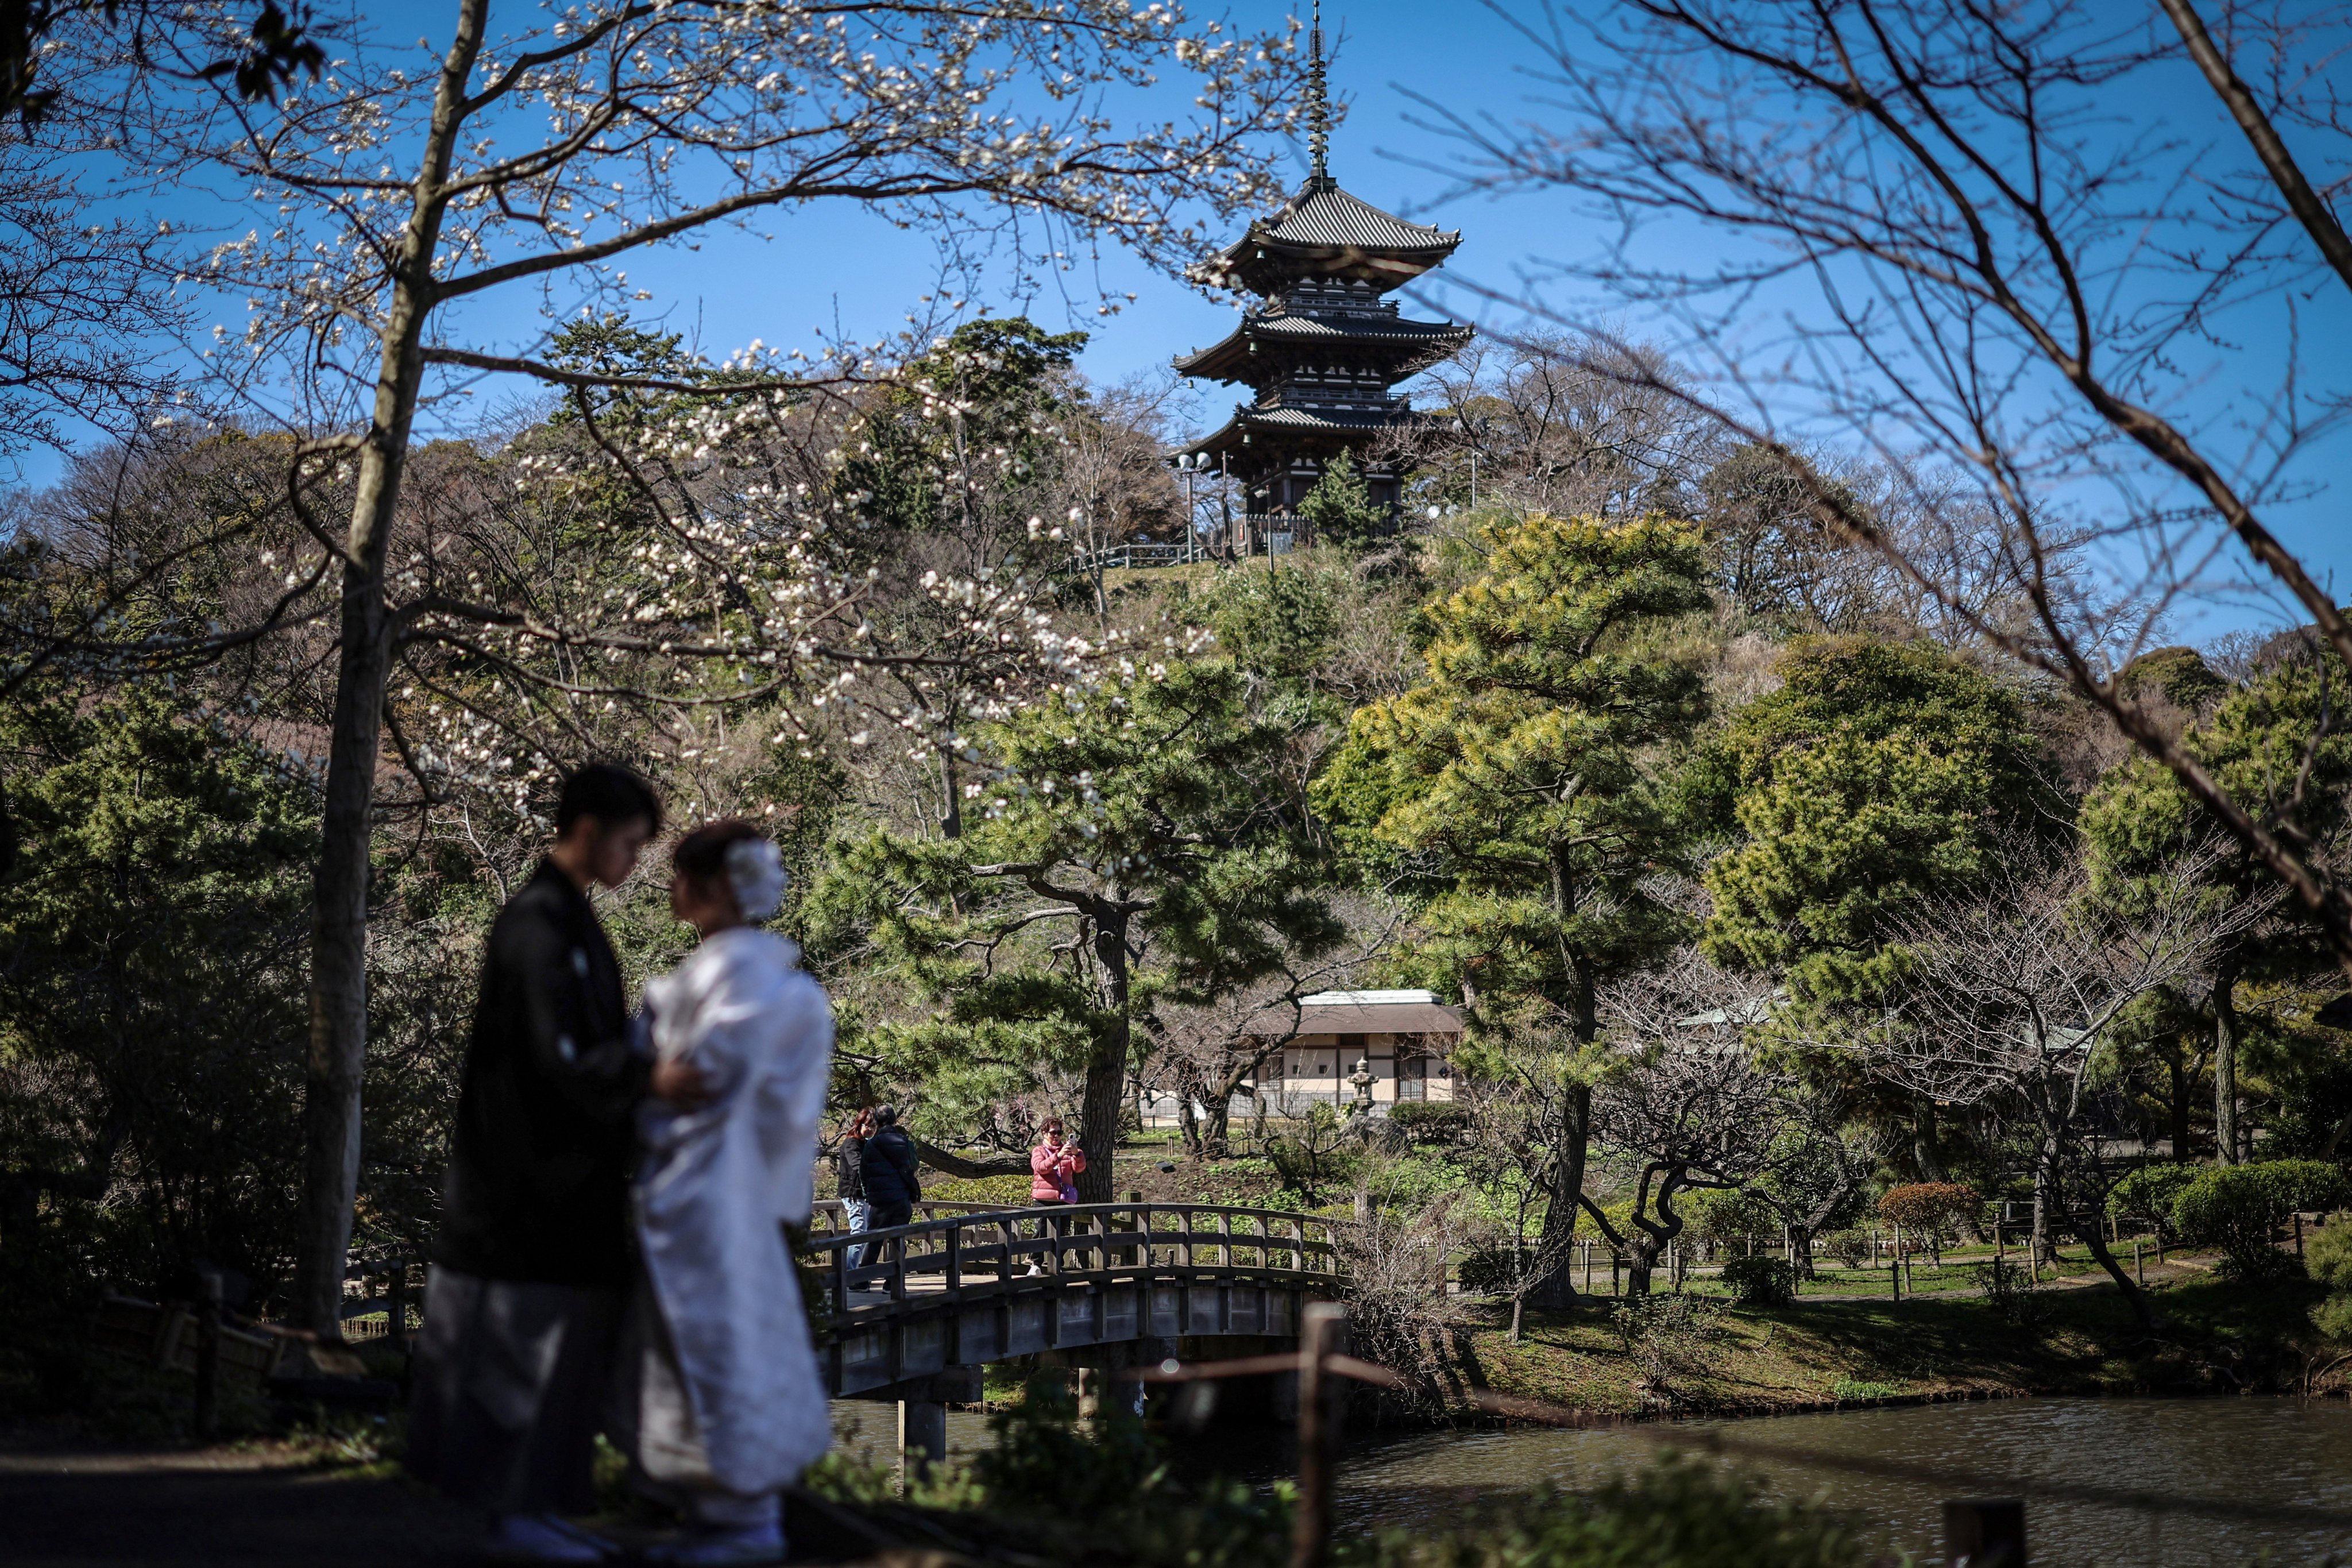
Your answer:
<point x="539" y="1159"/>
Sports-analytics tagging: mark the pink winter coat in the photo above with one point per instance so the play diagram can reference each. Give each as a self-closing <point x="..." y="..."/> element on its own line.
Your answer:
<point x="1053" y="1171"/>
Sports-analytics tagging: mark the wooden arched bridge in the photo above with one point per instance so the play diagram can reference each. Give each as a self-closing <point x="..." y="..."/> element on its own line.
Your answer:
<point x="967" y="1284"/>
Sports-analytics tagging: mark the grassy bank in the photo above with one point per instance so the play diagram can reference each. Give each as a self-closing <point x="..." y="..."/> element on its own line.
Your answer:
<point x="2220" y="1337"/>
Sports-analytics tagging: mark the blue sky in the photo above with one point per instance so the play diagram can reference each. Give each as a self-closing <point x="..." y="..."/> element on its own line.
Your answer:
<point x="835" y="266"/>
<point x="838" y="264"/>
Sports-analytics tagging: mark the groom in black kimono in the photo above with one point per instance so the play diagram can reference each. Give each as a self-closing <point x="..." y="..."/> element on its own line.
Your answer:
<point x="535" y="1260"/>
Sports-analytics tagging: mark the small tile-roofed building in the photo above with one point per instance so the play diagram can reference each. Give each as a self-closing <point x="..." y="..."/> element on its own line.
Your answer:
<point x="1406" y="1037"/>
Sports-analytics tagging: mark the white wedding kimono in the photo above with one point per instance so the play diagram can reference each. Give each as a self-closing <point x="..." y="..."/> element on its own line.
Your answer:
<point x="716" y="1186"/>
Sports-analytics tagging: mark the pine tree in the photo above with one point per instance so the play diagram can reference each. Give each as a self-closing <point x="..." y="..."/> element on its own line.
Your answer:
<point x="2275" y="740"/>
<point x="1521" y="787"/>
<point x="1138" y="845"/>
<point x="1340" y="510"/>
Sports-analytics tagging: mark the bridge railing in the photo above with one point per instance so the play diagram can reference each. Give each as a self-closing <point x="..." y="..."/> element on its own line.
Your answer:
<point x="999" y="1250"/>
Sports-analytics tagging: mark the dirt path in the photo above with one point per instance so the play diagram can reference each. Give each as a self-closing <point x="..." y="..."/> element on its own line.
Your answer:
<point x="67" y="1502"/>
<point x="83" y="1505"/>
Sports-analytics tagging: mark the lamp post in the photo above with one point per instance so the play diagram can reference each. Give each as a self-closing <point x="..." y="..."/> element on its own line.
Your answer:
<point x="1475" y="430"/>
<point x="1191" y="463"/>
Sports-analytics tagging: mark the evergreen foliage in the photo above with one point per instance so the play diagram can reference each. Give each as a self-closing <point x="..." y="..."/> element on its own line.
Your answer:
<point x="151" y="1027"/>
<point x="1339" y="508"/>
<point x="1878" y="775"/>
<point x="1136" y="847"/>
<point x="1520" y="790"/>
<point x="2241" y="1209"/>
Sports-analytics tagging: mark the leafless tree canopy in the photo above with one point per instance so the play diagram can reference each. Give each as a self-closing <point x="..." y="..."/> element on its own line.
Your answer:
<point x="2062" y="267"/>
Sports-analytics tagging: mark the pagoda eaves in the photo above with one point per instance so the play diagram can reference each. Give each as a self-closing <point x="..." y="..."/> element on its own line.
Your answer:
<point x="1323" y="348"/>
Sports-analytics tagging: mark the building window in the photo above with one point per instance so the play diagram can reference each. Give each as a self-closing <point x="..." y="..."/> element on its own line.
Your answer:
<point x="1412" y="1078"/>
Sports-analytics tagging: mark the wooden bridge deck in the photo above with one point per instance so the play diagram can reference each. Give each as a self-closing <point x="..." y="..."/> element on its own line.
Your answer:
<point x="972" y="1284"/>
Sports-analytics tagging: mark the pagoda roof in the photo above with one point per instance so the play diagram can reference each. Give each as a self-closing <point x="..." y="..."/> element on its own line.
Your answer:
<point x="1324" y="232"/>
<point x="1292" y="421"/>
<point x="1424" y="343"/>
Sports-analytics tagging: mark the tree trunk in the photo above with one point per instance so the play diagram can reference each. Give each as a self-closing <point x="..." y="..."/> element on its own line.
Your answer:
<point x="1106" y="1090"/>
<point x="337" y="1056"/>
<point x="2179" y="1067"/>
<point x="2142" y="1307"/>
<point x="1571" y="1139"/>
<point x="1555" y="1282"/>
<point x="2041" y="1251"/>
<point x="2225" y="1060"/>
<point x="1641" y="1262"/>
<point x="1188" y="1120"/>
<point x="1926" y="1143"/>
<point x="951" y="793"/>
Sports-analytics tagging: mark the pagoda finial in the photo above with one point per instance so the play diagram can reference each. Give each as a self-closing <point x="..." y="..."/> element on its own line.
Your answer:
<point x="1319" y="112"/>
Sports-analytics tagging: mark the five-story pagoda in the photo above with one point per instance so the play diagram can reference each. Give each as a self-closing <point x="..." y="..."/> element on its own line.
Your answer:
<point x="1323" y="346"/>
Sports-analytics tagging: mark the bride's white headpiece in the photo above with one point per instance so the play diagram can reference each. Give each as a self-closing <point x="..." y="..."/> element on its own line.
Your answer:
<point x="755" y="871"/>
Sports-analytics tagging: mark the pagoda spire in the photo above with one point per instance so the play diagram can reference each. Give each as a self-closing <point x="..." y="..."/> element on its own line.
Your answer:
<point x="1319" y="112"/>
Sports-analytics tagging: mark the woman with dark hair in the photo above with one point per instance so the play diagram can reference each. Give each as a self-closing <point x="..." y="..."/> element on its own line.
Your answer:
<point x="1054" y="1167"/>
<point x="722" y="1401"/>
<point x="849" y="1171"/>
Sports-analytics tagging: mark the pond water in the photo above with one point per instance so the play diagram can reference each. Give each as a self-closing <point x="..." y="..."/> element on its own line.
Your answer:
<point x="2280" y="1467"/>
<point x="2242" y="1478"/>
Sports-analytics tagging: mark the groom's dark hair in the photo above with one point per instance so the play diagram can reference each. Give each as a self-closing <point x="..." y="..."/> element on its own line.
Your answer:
<point x="609" y="792"/>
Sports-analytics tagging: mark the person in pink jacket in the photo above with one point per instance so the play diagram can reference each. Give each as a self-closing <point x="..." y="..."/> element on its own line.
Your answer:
<point x="1054" y="1166"/>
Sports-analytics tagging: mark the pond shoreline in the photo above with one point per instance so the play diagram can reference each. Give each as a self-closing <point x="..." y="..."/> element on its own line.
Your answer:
<point x="1820" y="1356"/>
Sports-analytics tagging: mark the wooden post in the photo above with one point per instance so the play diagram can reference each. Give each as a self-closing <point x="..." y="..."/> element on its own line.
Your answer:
<point x="398" y="1317"/>
<point x="1519" y="1318"/>
<point x="208" y="1327"/>
<point x="1615" y="1257"/>
<point x="1318" y="1434"/>
<point x="2298" y="1234"/>
<point x="1984" y="1533"/>
<point x="922" y="1439"/>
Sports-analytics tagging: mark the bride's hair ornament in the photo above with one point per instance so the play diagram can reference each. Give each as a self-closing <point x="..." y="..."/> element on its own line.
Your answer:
<point x="755" y="871"/>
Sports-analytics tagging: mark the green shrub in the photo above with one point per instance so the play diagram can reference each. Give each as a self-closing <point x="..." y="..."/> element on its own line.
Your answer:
<point x="1761" y="1281"/>
<point x="1727" y="1213"/>
<point x="1847" y="1390"/>
<point x="1924" y="1207"/>
<point x="1490" y="1270"/>
<point x="2148" y="1193"/>
<point x="2009" y="1290"/>
<point x="1430" y="1121"/>
<point x="1110" y="1483"/>
<point x="2240" y="1209"/>
<point x="1677" y="1514"/>
<point x="1851" y="1247"/>
<point x="2327" y="1253"/>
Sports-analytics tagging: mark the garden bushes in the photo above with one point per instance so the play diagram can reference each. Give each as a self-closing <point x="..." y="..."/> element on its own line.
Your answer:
<point x="2328" y="1255"/>
<point x="1430" y="1121"/>
<point x="2148" y="1193"/>
<point x="2240" y="1209"/>
<point x="1761" y="1281"/>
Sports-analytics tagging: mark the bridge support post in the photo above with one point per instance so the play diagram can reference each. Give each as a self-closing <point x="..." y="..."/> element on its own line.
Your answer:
<point x="922" y="1438"/>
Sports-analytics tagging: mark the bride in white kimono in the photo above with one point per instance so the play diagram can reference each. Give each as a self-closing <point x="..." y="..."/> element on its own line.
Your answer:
<point x="722" y="1402"/>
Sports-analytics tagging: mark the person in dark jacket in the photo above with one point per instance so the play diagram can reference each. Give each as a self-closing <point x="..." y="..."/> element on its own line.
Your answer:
<point x="849" y="1172"/>
<point x="535" y="1258"/>
<point x="887" y="1168"/>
